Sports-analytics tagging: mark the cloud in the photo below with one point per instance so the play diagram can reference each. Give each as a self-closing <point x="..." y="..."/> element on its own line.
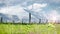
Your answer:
<point x="15" y="7"/>
<point x="11" y="2"/>
<point x="36" y="7"/>
<point x="56" y="1"/>
<point x="27" y="2"/>
<point x="14" y="10"/>
<point x="52" y="15"/>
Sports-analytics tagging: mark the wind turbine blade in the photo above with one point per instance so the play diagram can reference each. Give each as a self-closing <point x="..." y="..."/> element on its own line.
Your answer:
<point x="33" y="13"/>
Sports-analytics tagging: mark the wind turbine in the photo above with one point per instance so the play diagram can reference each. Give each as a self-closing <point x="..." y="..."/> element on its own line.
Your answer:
<point x="1" y="19"/>
<point x="29" y="14"/>
<point x="34" y="14"/>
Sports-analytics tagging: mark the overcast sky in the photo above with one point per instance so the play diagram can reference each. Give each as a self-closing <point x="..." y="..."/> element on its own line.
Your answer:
<point x="49" y="8"/>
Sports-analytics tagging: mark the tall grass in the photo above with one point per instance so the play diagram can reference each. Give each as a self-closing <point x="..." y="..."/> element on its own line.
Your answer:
<point x="28" y="29"/>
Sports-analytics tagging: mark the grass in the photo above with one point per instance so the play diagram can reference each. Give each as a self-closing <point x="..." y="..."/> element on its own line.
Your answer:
<point x="29" y="29"/>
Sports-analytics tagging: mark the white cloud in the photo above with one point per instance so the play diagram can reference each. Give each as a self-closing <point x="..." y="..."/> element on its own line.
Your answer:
<point x="18" y="10"/>
<point x="53" y="15"/>
<point x="37" y="7"/>
<point x="14" y="10"/>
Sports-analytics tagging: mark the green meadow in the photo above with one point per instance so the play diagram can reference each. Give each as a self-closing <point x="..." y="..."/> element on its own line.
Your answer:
<point x="29" y="29"/>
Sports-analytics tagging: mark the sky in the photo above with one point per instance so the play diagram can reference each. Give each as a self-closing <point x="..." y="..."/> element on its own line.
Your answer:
<point x="40" y="8"/>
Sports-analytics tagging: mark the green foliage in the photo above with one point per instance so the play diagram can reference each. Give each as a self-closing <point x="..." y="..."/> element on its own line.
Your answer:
<point x="28" y="29"/>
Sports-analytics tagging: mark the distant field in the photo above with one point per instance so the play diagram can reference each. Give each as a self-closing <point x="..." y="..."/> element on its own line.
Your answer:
<point x="29" y="29"/>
